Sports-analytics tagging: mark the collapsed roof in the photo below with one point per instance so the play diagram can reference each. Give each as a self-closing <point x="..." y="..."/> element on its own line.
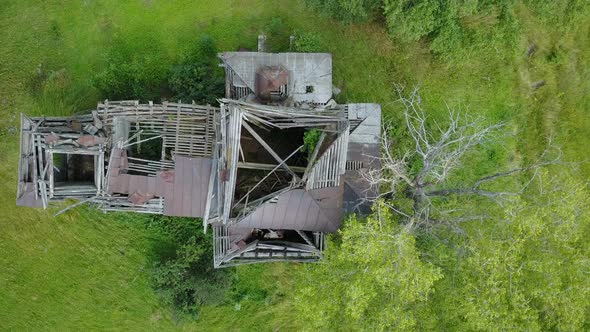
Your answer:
<point x="247" y="168"/>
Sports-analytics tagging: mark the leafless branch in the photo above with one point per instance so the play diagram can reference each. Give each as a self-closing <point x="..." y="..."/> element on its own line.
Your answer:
<point x="439" y="148"/>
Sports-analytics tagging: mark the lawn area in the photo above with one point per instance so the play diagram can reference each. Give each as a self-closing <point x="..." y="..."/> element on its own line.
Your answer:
<point x="86" y="270"/>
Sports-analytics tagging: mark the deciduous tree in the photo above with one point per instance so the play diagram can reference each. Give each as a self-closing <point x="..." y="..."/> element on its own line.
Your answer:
<point x="374" y="280"/>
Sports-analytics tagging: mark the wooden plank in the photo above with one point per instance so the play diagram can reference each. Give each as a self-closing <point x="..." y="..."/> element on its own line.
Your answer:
<point x="267" y="167"/>
<point x="196" y="199"/>
<point x="39" y="169"/>
<point x="177" y="126"/>
<point x="209" y="197"/>
<point x="185" y="184"/>
<point x="269" y="149"/>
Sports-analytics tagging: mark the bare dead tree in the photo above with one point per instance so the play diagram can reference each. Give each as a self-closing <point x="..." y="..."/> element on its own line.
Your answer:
<point x="439" y="151"/>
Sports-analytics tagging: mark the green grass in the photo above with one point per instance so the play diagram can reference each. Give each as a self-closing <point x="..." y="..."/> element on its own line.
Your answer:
<point x="87" y="270"/>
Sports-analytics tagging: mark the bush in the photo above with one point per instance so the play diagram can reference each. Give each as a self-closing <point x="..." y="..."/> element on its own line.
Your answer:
<point x="183" y="272"/>
<point x="348" y="11"/>
<point x="198" y="81"/>
<point x="310" y="140"/>
<point x="449" y="26"/>
<point x="198" y="77"/>
<point x="412" y="20"/>
<point x="308" y="42"/>
<point x="278" y="33"/>
<point x="134" y="71"/>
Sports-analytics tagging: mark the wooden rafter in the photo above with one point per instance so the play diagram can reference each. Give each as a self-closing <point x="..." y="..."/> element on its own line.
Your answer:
<point x="269" y="149"/>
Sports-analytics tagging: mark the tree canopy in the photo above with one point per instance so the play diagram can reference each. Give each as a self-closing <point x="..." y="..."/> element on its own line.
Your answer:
<point x="374" y="279"/>
<point x="525" y="269"/>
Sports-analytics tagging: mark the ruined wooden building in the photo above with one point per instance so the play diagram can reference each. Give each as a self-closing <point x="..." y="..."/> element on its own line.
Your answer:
<point x="242" y="167"/>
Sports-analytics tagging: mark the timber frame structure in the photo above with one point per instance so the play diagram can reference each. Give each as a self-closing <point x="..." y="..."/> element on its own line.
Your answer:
<point x="86" y="157"/>
<point x="291" y="221"/>
<point x="243" y="167"/>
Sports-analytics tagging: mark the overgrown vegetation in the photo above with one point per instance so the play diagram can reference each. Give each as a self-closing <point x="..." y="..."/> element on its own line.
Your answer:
<point x="134" y="70"/>
<point x="310" y="140"/>
<point x="183" y="273"/>
<point x="278" y="33"/>
<point x="308" y="42"/>
<point x="348" y="11"/>
<point x="143" y="73"/>
<point x="198" y="78"/>
<point x="449" y="26"/>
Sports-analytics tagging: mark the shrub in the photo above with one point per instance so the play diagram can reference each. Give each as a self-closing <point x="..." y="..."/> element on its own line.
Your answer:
<point x="198" y="77"/>
<point x="198" y="81"/>
<point x="183" y="272"/>
<point x="310" y="140"/>
<point x="308" y="42"/>
<point x="206" y="48"/>
<point x="134" y="71"/>
<point x="278" y="33"/>
<point x="412" y="20"/>
<point x="348" y="11"/>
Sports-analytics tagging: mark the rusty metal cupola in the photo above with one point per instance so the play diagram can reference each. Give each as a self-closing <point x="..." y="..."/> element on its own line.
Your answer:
<point x="272" y="83"/>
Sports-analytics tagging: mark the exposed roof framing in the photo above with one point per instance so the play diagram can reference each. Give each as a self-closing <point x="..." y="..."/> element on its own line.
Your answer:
<point x="241" y="167"/>
<point x="121" y="182"/>
<point x="307" y="204"/>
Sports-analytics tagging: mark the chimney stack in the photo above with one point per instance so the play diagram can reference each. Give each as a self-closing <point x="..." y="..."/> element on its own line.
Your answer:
<point x="261" y="43"/>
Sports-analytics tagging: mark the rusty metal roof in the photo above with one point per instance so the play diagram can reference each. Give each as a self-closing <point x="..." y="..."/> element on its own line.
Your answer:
<point x="318" y="210"/>
<point x="188" y="196"/>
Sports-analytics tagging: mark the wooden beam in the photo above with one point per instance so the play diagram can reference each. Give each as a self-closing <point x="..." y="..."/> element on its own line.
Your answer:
<point x="267" y="175"/>
<point x="314" y="155"/>
<point x="305" y="237"/>
<point x="267" y="167"/>
<point x="269" y="149"/>
<point x="74" y="205"/>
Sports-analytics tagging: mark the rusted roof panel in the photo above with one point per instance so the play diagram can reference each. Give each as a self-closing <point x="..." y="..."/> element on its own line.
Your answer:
<point x="188" y="195"/>
<point x="318" y="210"/>
<point x="27" y="197"/>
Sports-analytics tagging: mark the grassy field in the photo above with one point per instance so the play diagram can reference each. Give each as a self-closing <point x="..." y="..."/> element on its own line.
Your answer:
<point x="87" y="270"/>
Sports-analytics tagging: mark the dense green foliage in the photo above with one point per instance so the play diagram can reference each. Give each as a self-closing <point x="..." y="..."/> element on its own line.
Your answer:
<point x="348" y="11"/>
<point x="198" y="78"/>
<point x="529" y="272"/>
<point x="308" y="42"/>
<point x="310" y="140"/>
<point x="183" y="273"/>
<point x="139" y="71"/>
<point x="278" y="33"/>
<point x="134" y="70"/>
<point x="449" y="25"/>
<point x="373" y="280"/>
<point x="90" y="271"/>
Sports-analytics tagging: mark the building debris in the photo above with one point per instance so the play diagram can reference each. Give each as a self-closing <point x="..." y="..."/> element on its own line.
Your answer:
<point x="240" y="166"/>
